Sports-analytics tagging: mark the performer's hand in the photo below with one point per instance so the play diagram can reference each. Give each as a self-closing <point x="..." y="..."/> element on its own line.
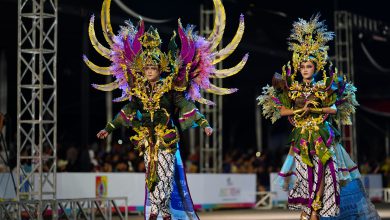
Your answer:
<point x="102" y="134"/>
<point x="208" y="131"/>
<point x="306" y="108"/>
<point x="310" y="104"/>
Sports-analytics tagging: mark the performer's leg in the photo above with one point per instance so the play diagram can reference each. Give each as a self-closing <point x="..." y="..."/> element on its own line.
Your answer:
<point x="314" y="214"/>
<point x="303" y="215"/>
<point x="166" y="171"/>
<point x="154" y="203"/>
<point x="153" y="200"/>
<point x="160" y="197"/>
<point x="327" y="194"/>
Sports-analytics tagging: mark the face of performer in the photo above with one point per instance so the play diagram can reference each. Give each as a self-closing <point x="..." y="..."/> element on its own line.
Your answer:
<point x="307" y="69"/>
<point x="152" y="73"/>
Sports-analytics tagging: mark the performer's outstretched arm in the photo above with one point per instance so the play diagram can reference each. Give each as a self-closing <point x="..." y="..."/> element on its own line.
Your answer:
<point x="123" y="118"/>
<point x="189" y="114"/>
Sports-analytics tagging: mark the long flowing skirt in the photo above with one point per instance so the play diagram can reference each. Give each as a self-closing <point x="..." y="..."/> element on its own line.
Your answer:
<point x="355" y="204"/>
<point x="303" y="193"/>
<point x="339" y="172"/>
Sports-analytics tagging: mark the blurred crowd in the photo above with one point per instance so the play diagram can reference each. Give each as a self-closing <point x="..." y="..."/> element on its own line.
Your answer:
<point x="123" y="158"/>
<point x="97" y="158"/>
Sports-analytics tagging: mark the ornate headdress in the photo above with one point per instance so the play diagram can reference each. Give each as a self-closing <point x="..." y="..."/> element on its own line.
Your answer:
<point x="151" y="53"/>
<point x="191" y="66"/>
<point x="308" y="42"/>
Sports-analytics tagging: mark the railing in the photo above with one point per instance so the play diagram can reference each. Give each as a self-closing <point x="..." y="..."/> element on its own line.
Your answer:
<point x="85" y="208"/>
<point x="386" y="195"/>
<point x="264" y="200"/>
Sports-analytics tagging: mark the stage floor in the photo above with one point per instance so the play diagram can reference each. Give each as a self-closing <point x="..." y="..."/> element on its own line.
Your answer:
<point x="273" y="214"/>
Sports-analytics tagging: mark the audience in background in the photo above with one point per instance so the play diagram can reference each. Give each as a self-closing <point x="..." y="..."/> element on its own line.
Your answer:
<point x="123" y="158"/>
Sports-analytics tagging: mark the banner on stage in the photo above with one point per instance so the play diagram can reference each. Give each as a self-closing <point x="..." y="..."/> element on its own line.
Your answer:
<point x="101" y="186"/>
<point x="207" y="190"/>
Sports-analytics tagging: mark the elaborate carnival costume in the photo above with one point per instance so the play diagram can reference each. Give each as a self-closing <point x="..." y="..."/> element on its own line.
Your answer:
<point x="150" y="111"/>
<point x="315" y="151"/>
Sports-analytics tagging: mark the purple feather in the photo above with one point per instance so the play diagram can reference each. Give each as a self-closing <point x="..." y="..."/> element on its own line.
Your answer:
<point x="184" y="43"/>
<point x="344" y="85"/>
<point x="128" y="51"/>
<point x="330" y="85"/>
<point x="195" y="63"/>
<point x="339" y="102"/>
<point x="191" y="51"/>
<point x="136" y="43"/>
<point x="191" y="46"/>
<point x="276" y="100"/>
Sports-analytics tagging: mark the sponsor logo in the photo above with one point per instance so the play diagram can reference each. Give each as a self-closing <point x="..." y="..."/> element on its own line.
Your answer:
<point x="230" y="191"/>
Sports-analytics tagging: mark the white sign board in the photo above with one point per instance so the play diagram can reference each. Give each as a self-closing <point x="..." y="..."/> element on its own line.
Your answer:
<point x="211" y="190"/>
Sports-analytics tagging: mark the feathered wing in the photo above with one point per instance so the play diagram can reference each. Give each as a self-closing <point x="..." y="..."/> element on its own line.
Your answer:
<point x="274" y="97"/>
<point x="346" y="102"/>
<point x="270" y="103"/>
<point x="122" y="51"/>
<point x="194" y="63"/>
<point x="340" y="93"/>
<point x="198" y="57"/>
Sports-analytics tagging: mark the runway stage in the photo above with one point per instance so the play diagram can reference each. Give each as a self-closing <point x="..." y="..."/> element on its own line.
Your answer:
<point x="273" y="214"/>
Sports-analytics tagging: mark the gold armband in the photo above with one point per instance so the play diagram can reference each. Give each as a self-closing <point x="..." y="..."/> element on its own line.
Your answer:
<point x="317" y="110"/>
<point x="298" y="111"/>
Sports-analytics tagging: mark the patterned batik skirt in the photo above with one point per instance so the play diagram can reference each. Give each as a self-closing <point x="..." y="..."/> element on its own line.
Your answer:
<point x="344" y="196"/>
<point x="172" y="191"/>
<point x="307" y="184"/>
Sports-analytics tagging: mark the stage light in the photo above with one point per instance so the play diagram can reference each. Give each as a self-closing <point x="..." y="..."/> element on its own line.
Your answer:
<point x="258" y="154"/>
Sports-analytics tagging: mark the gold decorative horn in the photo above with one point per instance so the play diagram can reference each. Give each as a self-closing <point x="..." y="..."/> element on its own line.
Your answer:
<point x="220" y="91"/>
<point x="97" y="69"/>
<point x="106" y="87"/>
<point x="219" y="25"/>
<point x="124" y="97"/>
<point x="95" y="43"/>
<point x="225" y="52"/>
<point x="223" y="73"/>
<point x="106" y="21"/>
<point x="205" y="101"/>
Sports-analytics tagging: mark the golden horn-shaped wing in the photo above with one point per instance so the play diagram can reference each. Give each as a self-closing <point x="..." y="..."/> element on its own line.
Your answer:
<point x="106" y="21"/>
<point x="225" y="52"/>
<point x="95" y="43"/>
<point x="124" y="97"/>
<point x="223" y="73"/>
<point x="219" y="25"/>
<point x="220" y="91"/>
<point x="106" y="87"/>
<point x="205" y="101"/>
<point x="97" y="69"/>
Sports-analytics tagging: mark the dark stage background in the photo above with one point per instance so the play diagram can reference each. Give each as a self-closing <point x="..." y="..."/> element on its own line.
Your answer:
<point x="82" y="111"/>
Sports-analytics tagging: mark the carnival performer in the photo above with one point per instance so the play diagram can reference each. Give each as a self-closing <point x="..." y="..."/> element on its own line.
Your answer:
<point x="161" y="90"/>
<point x="316" y="103"/>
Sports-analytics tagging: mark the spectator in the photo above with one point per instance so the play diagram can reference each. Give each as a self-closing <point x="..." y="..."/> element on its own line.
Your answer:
<point x="71" y="158"/>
